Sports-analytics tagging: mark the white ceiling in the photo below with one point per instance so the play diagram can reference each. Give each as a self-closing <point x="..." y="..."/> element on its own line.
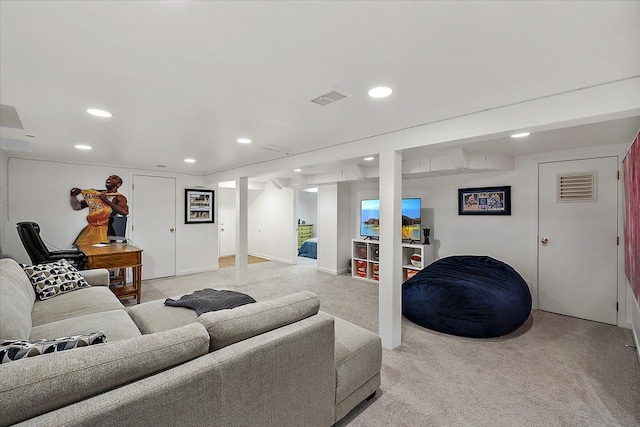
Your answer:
<point x="187" y="78"/>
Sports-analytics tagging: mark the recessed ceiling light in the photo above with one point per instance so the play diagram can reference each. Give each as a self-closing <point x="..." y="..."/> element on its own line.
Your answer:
<point x="99" y="113"/>
<point x="380" y="92"/>
<point x="244" y="140"/>
<point x="520" y="135"/>
<point x="190" y="160"/>
<point x="368" y="159"/>
<point x="297" y="170"/>
<point x="83" y="147"/>
<point x="311" y="190"/>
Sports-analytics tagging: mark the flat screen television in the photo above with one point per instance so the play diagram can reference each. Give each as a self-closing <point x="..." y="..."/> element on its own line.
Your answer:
<point x="411" y="218"/>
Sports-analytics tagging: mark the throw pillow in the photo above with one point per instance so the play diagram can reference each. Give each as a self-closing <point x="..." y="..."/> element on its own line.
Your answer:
<point x="19" y="349"/>
<point x="54" y="278"/>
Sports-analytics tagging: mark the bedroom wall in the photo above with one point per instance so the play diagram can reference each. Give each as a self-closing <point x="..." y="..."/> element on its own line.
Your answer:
<point x="272" y="226"/>
<point x="39" y="191"/>
<point x="307" y="208"/>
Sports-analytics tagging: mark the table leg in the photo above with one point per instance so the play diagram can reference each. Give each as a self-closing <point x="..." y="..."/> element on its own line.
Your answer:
<point x="137" y="277"/>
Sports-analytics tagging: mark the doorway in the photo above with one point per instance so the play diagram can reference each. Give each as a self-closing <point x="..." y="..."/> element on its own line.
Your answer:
<point x="577" y="241"/>
<point x="153" y="225"/>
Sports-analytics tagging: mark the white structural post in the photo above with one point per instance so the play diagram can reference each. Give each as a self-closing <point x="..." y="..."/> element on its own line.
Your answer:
<point x="242" y="235"/>
<point x="390" y="287"/>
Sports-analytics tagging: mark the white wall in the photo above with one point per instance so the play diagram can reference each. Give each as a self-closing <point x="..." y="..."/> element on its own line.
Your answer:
<point x="272" y="228"/>
<point x="39" y="191"/>
<point x="334" y="213"/>
<point x="307" y="208"/>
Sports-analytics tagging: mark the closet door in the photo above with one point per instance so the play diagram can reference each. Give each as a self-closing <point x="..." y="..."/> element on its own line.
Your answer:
<point x="154" y="224"/>
<point x="577" y="241"/>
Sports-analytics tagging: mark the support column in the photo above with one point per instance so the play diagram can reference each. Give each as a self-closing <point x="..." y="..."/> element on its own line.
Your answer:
<point x="242" y="235"/>
<point x="390" y="287"/>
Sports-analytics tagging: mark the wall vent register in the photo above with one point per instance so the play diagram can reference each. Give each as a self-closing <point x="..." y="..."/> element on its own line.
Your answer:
<point x="577" y="187"/>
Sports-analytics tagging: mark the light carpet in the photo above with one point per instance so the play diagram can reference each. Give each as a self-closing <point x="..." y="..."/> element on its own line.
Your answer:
<point x="554" y="371"/>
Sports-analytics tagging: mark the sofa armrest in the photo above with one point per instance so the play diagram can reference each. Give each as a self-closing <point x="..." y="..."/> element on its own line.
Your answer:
<point x="96" y="277"/>
<point x="37" y="385"/>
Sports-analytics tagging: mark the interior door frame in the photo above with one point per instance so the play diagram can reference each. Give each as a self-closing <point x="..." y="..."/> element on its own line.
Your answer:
<point x="618" y="150"/>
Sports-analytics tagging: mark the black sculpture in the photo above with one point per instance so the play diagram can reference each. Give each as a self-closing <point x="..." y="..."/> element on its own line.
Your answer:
<point x="426" y="236"/>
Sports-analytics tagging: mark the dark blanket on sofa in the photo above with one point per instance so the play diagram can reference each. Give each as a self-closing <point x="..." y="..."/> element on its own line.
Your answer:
<point x="208" y="299"/>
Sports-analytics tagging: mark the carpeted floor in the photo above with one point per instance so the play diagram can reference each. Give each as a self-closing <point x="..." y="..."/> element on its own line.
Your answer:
<point x="553" y="371"/>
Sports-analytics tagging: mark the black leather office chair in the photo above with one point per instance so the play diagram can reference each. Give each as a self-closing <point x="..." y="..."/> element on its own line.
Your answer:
<point x="29" y="233"/>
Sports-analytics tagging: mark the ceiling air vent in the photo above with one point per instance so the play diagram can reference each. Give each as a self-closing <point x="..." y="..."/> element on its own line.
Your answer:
<point x="329" y="98"/>
<point x="276" y="148"/>
<point x="577" y="187"/>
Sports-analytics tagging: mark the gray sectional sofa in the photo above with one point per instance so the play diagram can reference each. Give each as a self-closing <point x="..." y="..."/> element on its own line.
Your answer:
<point x="280" y="362"/>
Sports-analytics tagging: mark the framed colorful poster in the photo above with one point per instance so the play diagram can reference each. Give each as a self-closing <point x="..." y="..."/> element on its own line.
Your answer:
<point x="484" y="201"/>
<point x="631" y="168"/>
<point x="198" y="206"/>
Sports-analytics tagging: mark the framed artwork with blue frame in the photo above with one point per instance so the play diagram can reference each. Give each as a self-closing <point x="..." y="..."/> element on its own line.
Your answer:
<point x="484" y="201"/>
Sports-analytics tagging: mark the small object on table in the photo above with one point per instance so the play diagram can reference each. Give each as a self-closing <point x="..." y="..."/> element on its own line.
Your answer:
<point x="426" y="236"/>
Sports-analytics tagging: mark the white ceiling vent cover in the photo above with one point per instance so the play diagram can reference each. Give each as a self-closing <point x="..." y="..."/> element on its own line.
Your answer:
<point x="329" y="98"/>
<point x="577" y="187"/>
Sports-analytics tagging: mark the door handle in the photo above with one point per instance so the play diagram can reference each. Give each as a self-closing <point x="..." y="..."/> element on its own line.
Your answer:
<point x="544" y="240"/>
<point x="172" y="229"/>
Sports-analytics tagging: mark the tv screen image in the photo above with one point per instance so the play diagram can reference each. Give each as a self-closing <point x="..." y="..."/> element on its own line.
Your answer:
<point x="370" y="218"/>
<point x="411" y="218"/>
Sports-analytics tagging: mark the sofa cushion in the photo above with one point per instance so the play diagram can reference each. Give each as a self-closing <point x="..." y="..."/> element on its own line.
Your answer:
<point x="54" y="278"/>
<point x="230" y="326"/>
<point x="15" y="350"/>
<point x="16" y="300"/>
<point x="73" y="304"/>
<point x="358" y="357"/>
<point x="36" y="385"/>
<point x="116" y="324"/>
<point x="154" y="316"/>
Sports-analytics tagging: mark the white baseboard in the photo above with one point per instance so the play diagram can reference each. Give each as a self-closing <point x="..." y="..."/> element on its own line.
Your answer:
<point x="328" y="270"/>
<point x="197" y="270"/>
<point x="270" y="258"/>
<point x="343" y="270"/>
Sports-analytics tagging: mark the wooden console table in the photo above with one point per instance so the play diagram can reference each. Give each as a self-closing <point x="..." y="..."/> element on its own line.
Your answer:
<point x="117" y="255"/>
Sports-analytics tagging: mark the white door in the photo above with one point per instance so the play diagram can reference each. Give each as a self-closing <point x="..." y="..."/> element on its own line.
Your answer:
<point x="577" y="241"/>
<point x="154" y="222"/>
<point x="227" y="221"/>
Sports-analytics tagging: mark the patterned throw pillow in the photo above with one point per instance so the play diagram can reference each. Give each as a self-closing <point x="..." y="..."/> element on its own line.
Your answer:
<point x="16" y="350"/>
<point x="54" y="278"/>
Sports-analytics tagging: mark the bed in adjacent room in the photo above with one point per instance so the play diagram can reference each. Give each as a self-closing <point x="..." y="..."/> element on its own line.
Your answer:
<point x="309" y="248"/>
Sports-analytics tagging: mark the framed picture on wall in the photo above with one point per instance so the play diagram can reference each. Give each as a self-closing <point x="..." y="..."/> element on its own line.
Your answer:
<point x="484" y="201"/>
<point x="198" y="206"/>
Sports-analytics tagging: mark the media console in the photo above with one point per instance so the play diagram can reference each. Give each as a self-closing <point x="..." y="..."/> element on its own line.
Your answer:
<point x="365" y="259"/>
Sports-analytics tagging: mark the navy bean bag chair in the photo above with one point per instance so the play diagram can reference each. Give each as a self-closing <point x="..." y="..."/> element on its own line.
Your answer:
<point x="468" y="296"/>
